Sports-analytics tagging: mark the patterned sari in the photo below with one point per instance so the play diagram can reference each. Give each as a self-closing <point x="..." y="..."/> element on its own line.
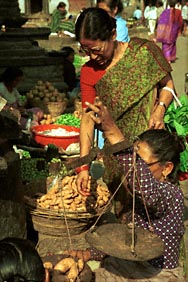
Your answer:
<point x="127" y="90"/>
<point x="168" y="28"/>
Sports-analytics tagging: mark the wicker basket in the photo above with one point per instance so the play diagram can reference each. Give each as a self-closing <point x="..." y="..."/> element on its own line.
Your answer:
<point x="56" y="223"/>
<point x="53" y="108"/>
<point x="56" y="108"/>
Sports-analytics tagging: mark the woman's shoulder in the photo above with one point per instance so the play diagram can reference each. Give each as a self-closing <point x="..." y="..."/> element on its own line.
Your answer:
<point x="91" y="67"/>
<point x="90" y="73"/>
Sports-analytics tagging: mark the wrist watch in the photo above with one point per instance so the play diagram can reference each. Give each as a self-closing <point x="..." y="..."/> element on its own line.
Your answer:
<point x="162" y="104"/>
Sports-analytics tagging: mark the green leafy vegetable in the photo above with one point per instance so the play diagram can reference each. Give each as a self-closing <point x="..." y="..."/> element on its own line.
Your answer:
<point x="176" y="120"/>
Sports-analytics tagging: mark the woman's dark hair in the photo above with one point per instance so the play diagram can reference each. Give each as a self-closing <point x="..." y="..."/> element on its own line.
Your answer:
<point x="61" y="5"/>
<point x="172" y="3"/>
<point x="66" y="51"/>
<point x="10" y="74"/>
<point x="166" y="147"/>
<point x="94" y="23"/>
<point x="19" y="261"/>
<point x="112" y="4"/>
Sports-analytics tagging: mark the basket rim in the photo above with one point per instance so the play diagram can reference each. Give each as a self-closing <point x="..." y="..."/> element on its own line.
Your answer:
<point x="69" y="214"/>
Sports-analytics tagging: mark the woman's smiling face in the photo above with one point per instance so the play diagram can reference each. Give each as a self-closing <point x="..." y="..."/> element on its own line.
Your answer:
<point x="100" y="51"/>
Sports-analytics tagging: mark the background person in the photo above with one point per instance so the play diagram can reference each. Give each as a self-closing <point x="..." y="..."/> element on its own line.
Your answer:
<point x="114" y="8"/>
<point x="69" y="73"/>
<point x="168" y="28"/>
<point x="137" y="14"/>
<point x="160" y="9"/>
<point x="185" y="17"/>
<point x="61" y="21"/>
<point x="70" y="78"/>
<point x="150" y="14"/>
<point x="113" y="73"/>
<point x="178" y="5"/>
<point x="10" y="79"/>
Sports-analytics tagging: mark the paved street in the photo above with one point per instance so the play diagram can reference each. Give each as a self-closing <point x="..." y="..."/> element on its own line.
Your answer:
<point x="180" y="67"/>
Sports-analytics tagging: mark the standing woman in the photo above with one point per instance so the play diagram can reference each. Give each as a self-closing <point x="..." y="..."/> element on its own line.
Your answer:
<point x="168" y="28"/>
<point x="114" y="8"/>
<point x="114" y="74"/>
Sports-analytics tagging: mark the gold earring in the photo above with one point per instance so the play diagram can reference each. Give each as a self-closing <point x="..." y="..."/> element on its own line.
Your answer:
<point x="164" y="175"/>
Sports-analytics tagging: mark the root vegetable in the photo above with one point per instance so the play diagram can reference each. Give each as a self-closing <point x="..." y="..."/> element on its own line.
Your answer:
<point x="48" y="265"/>
<point x="80" y="265"/>
<point x="73" y="273"/>
<point x="65" y="264"/>
<point x="68" y="198"/>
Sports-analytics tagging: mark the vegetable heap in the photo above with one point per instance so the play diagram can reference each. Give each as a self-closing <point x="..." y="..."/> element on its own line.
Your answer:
<point x="46" y="92"/>
<point x="33" y="168"/>
<point x="176" y="120"/>
<point x="68" y="119"/>
<point x="68" y="198"/>
<point x="68" y="268"/>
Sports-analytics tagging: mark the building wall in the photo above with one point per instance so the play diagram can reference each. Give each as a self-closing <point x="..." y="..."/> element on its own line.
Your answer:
<point x="52" y="4"/>
<point x="73" y="6"/>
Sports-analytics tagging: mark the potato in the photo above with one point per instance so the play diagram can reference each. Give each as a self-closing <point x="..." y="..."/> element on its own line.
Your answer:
<point x="48" y="265"/>
<point x="65" y="264"/>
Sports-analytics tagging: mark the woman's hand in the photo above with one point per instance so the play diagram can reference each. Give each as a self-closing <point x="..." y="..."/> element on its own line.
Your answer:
<point x="104" y="121"/>
<point x="156" y="120"/>
<point x="82" y="183"/>
<point x="100" y="115"/>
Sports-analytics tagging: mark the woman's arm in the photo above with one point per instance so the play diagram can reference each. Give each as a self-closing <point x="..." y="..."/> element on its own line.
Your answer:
<point x="102" y="117"/>
<point x="165" y="98"/>
<point x="88" y="80"/>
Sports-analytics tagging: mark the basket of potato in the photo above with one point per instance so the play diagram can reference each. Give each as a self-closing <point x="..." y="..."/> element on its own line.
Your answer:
<point x="45" y="96"/>
<point x="63" y="204"/>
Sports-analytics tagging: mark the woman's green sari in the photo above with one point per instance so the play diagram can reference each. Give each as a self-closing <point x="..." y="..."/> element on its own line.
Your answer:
<point x="127" y="90"/>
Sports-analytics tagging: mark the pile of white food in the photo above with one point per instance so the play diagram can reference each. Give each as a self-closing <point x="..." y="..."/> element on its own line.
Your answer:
<point x="61" y="132"/>
<point x="73" y="148"/>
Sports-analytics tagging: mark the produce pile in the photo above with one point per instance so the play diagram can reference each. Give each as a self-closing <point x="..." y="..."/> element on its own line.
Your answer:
<point x="64" y="119"/>
<point x="33" y="168"/>
<point x="64" y="269"/>
<point x="68" y="266"/>
<point x="68" y="198"/>
<point x="44" y="91"/>
<point x="68" y="119"/>
<point x="176" y="120"/>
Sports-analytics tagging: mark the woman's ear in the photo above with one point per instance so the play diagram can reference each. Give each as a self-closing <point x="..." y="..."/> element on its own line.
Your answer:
<point x="168" y="168"/>
<point x="114" y="34"/>
<point x="115" y="10"/>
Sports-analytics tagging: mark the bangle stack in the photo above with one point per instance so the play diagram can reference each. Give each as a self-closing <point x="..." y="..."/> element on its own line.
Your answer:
<point x="81" y="168"/>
